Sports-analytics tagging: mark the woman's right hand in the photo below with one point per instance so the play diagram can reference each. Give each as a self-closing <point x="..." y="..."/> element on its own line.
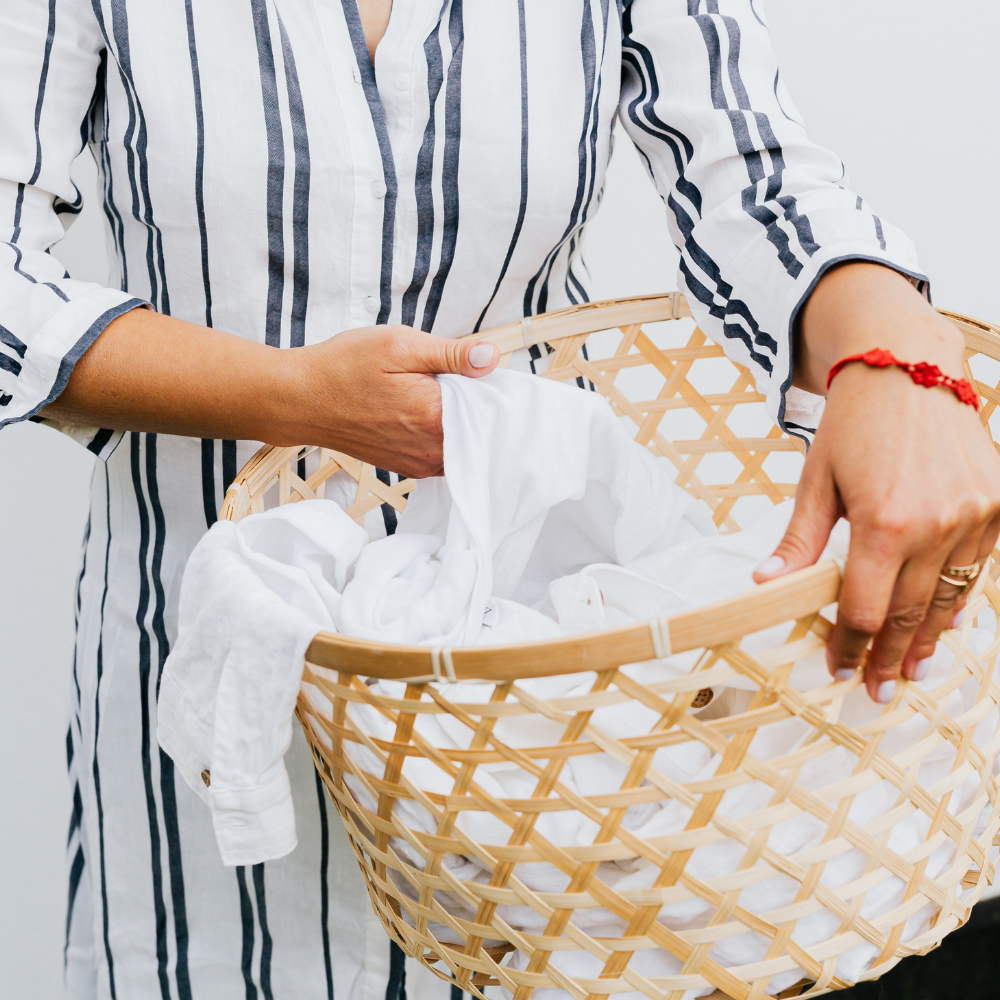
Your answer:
<point x="369" y="392"/>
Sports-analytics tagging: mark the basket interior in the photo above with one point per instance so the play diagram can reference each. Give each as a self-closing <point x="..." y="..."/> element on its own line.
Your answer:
<point x="684" y="400"/>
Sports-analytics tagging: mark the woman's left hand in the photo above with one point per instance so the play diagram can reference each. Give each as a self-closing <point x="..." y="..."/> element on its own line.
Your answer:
<point x="911" y="468"/>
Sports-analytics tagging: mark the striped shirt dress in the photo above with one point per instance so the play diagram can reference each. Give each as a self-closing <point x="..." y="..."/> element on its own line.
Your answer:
<point x="262" y="177"/>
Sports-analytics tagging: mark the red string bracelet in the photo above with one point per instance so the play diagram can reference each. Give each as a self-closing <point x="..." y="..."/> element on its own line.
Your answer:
<point x="922" y="373"/>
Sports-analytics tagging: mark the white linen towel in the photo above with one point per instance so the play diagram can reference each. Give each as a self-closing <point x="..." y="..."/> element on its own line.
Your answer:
<point x="520" y="452"/>
<point x="470" y="563"/>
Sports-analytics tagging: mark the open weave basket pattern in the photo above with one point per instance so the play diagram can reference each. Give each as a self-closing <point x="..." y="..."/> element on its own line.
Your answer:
<point x="417" y="905"/>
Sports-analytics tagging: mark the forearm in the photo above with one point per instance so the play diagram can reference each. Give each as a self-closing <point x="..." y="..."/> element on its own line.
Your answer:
<point x="149" y="372"/>
<point x="859" y="306"/>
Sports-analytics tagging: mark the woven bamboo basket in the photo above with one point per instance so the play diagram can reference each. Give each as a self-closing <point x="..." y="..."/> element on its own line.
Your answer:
<point x="685" y="401"/>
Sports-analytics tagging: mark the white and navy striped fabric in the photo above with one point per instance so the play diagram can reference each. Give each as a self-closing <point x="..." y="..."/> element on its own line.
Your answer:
<point x="261" y="177"/>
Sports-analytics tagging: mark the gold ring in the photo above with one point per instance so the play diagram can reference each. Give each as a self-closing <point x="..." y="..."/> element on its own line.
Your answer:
<point x="960" y="576"/>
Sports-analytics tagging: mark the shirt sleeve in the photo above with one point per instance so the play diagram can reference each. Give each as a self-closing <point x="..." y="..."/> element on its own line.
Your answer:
<point x="758" y="212"/>
<point x="50" y="62"/>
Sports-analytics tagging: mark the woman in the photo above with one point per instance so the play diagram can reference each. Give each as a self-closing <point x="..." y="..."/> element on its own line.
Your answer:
<point x="280" y="171"/>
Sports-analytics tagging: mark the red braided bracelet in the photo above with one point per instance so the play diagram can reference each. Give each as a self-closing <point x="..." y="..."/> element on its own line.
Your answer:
<point x="922" y="373"/>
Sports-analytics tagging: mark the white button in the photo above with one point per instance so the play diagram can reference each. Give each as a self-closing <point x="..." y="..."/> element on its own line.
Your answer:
<point x="402" y="83"/>
<point x="371" y="304"/>
<point x="378" y="189"/>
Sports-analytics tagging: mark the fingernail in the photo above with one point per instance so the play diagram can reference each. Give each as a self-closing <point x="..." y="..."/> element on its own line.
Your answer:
<point x="481" y="355"/>
<point x="922" y="669"/>
<point x="957" y="618"/>
<point x="844" y="674"/>
<point x="771" y="565"/>
<point x="886" y="692"/>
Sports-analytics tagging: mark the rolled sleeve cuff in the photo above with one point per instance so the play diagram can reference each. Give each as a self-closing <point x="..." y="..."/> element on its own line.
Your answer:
<point x="798" y="412"/>
<point x="55" y="350"/>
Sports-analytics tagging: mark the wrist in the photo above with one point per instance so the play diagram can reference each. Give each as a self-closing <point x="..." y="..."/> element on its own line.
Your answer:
<point x="858" y="307"/>
<point x="288" y="393"/>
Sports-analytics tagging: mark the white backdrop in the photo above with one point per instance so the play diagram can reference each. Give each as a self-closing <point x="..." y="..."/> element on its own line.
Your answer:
<point x="904" y="90"/>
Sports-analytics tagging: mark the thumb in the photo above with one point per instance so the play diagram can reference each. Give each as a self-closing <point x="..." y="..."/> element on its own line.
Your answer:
<point x="432" y="355"/>
<point x="817" y="510"/>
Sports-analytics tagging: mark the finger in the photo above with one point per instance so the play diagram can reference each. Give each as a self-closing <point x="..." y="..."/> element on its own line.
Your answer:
<point x="911" y="600"/>
<point x="430" y="355"/>
<point x="817" y="509"/>
<point x="947" y="599"/>
<point x="867" y="591"/>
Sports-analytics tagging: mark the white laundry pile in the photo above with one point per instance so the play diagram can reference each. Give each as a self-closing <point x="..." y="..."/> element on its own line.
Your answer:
<point x="689" y="575"/>
<point x="550" y="520"/>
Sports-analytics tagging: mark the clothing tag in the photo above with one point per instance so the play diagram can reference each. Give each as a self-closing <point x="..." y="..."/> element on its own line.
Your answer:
<point x="490" y="616"/>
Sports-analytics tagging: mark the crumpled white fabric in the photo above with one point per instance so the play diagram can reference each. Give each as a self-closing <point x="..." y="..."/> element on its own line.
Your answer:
<point x="520" y="453"/>
<point x="688" y="575"/>
<point x="549" y="520"/>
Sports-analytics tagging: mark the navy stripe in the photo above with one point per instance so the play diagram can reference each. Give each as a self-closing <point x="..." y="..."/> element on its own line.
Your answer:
<point x="588" y="58"/>
<point x="522" y="207"/>
<point x="5" y="398"/>
<point x="396" y="987"/>
<point x="748" y="149"/>
<point x="145" y="695"/>
<point x="367" y="71"/>
<point x="638" y="58"/>
<point x="300" y="195"/>
<point x="597" y="111"/>
<point x="777" y="99"/>
<point x="75" y="874"/>
<point x="457" y="992"/>
<point x="265" y="935"/>
<point x="114" y="217"/>
<point x="168" y="793"/>
<point x="732" y="306"/>
<point x="246" y="918"/>
<point x="324" y="883"/>
<point x="879" y="232"/>
<point x="388" y="511"/>
<point x="18" y="256"/>
<point x="100" y="440"/>
<point x="424" y="176"/>
<point x="178" y="899"/>
<point x="680" y="146"/>
<point x="199" y="162"/>
<point x="449" y="164"/>
<point x="76" y="621"/>
<point x="275" y="174"/>
<point x="105" y="919"/>
<point x="8" y="364"/>
<point x="229" y="469"/>
<point x="76" y="817"/>
<point x="141" y="213"/>
<point x="592" y="67"/>
<point x="208" y="481"/>
<point x="43" y="76"/>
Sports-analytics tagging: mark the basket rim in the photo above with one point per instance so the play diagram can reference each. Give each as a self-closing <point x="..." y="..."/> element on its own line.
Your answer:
<point x="794" y="596"/>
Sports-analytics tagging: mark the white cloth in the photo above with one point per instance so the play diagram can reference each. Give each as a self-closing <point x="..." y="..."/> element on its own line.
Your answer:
<point x="581" y="529"/>
<point x="688" y="575"/>
<point x="520" y="453"/>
